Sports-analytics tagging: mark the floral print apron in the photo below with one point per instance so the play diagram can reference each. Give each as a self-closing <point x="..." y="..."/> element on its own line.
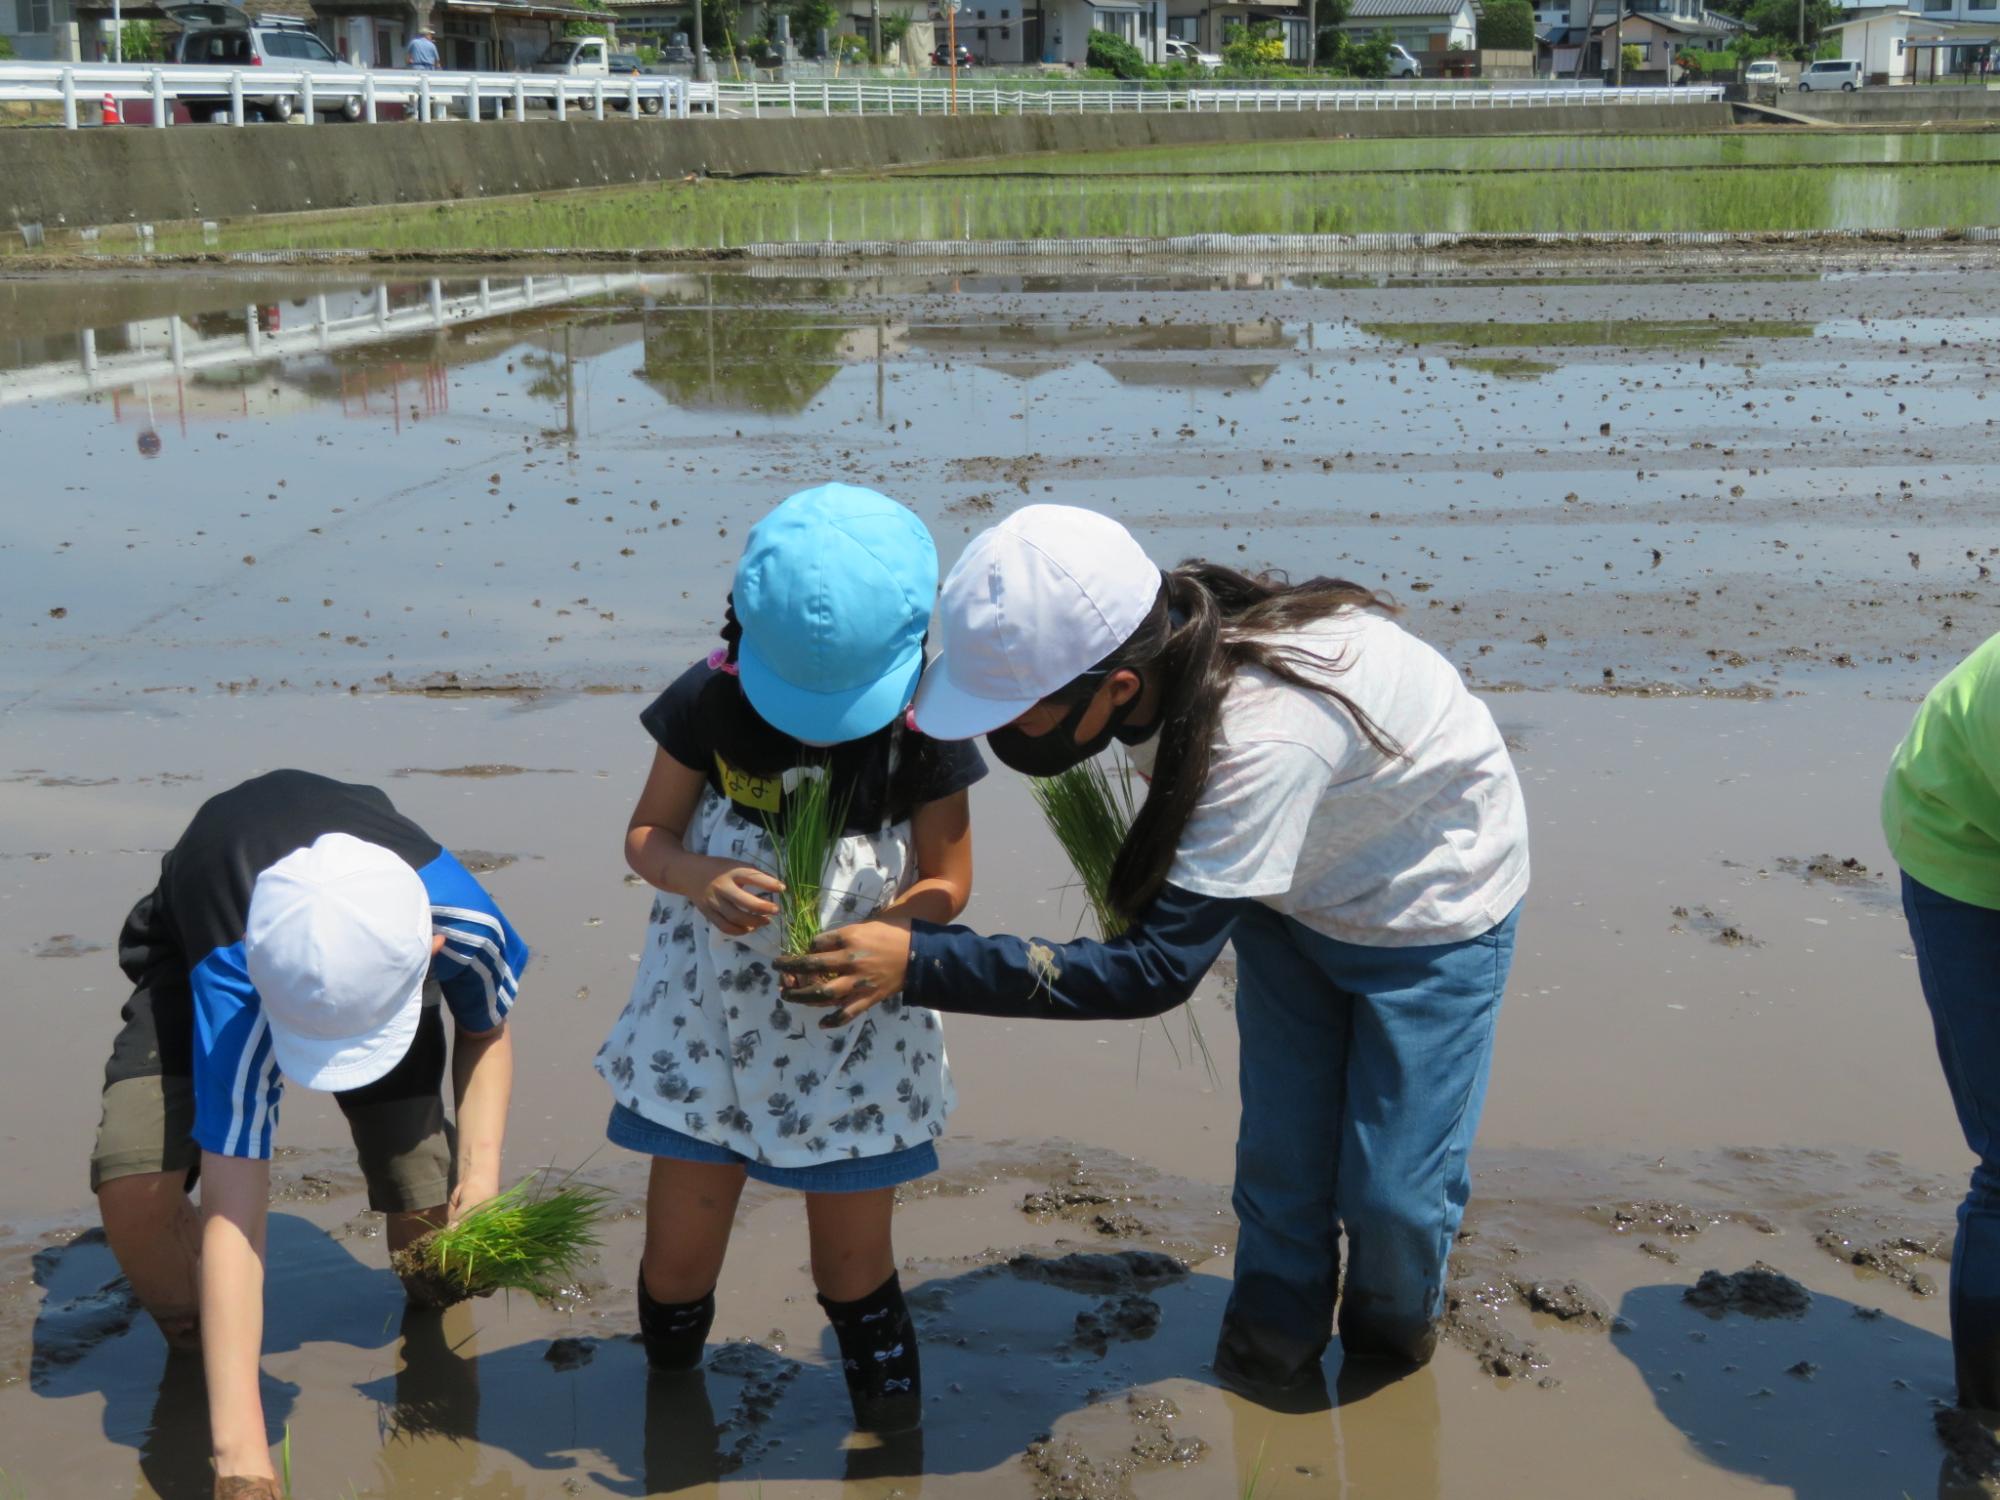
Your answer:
<point x="708" y="1046"/>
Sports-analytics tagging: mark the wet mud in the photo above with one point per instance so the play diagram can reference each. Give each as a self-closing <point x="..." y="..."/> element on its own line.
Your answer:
<point x="1735" y="552"/>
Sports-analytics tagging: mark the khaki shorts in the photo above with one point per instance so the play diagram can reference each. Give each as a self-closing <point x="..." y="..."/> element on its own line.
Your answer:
<point x="398" y="1123"/>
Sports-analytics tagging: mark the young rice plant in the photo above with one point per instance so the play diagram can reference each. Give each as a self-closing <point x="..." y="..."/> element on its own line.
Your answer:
<point x="1089" y="810"/>
<point x="523" y="1240"/>
<point x="802" y="841"/>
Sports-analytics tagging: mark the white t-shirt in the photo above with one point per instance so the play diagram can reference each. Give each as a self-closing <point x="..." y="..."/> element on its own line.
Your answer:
<point x="1303" y="814"/>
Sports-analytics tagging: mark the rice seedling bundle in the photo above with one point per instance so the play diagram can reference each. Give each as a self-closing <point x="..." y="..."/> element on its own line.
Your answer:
<point x="1090" y="810"/>
<point x="802" y="843"/>
<point x="522" y="1240"/>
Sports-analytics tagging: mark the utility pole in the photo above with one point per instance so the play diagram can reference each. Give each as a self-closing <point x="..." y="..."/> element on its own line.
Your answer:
<point x="1312" y="34"/>
<point x="1802" y="30"/>
<point x="875" y="32"/>
<point x="700" y="47"/>
<point x="1618" y="44"/>
<point x="951" y="24"/>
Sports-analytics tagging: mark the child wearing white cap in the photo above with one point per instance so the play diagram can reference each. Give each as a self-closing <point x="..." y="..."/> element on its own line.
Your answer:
<point x="714" y="1075"/>
<point x="1325" y="793"/>
<point x="301" y="929"/>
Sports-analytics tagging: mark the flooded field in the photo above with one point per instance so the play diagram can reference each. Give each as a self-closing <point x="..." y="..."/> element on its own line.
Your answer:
<point x="1032" y="199"/>
<point x="1702" y="529"/>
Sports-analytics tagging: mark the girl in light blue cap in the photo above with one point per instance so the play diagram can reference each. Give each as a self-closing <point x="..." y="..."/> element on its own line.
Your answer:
<point x="714" y="1074"/>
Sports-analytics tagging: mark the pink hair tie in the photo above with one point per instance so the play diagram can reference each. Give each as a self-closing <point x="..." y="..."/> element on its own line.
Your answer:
<point x="910" y="720"/>
<point x="718" y="661"/>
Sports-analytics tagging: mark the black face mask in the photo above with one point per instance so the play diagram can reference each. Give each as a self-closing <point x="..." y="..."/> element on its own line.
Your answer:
<point x="1056" y="751"/>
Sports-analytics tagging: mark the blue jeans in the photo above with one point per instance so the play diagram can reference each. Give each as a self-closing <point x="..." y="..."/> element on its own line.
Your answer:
<point x="1958" y="954"/>
<point x="1363" y="1073"/>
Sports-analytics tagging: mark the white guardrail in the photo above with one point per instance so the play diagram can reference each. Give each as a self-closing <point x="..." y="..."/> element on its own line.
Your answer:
<point x="233" y="94"/>
<point x="830" y="98"/>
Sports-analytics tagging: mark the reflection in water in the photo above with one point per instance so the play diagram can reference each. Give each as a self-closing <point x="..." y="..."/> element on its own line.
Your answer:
<point x="744" y="359"/>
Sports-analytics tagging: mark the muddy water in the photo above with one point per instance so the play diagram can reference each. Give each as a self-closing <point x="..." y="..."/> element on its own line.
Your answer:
<point x="410" y="536"/>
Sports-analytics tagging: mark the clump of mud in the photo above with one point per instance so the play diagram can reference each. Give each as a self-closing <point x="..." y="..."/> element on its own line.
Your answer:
<point x="1896" y="1258"/>
<point x="1828" y="869"/>
<point x="1761" y="1291"/>
<point x="1062" y="1469"/>
<point x="424" y="1286"/>
<point x="1718" y="930"/>
<point x="65" y="945"/>
<point x="1565" y="1301"/>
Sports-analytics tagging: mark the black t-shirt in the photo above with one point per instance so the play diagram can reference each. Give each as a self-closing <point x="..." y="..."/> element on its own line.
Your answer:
<point x="705" y="722"/>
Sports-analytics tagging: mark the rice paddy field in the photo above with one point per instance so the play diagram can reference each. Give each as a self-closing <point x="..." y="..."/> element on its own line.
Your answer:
<point x="1700" y="524"/>
<point x="1741" y="183"/>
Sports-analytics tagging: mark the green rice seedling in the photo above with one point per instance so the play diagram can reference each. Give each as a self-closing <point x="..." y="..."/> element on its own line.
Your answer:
<point x="1090" y="809"/>
<point x="524" y="1240"/>
<point x="802" y="841"/>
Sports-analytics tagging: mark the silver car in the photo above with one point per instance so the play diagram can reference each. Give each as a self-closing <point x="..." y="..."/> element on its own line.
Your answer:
<point x="215" y="34"/>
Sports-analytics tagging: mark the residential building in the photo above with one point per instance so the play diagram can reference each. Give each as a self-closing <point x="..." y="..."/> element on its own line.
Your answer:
<point x="1418" y="26"/>
<point x="1901" y="44"/>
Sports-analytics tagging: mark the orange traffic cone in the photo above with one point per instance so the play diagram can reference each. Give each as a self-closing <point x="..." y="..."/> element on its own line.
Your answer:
<point x="109" y="111"/>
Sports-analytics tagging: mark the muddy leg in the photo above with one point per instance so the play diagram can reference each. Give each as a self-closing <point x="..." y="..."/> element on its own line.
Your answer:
<point x="852" y="1253"/>
<point x="1956" y="947"/>
<point x="690" y="1209"/>
<point x="155" y="1234"/>
<point x="1294" y="1027"/>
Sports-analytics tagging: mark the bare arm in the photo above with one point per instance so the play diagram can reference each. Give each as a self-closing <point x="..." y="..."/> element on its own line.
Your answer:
<point x="725" y="893"/>
<point x="235" y="1198"/>
<point x="482" y="1081"/>
<point x="942" y="832"/>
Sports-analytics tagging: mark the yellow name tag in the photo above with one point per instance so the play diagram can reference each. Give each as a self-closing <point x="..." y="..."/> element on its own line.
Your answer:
<point x="759" y="792"/>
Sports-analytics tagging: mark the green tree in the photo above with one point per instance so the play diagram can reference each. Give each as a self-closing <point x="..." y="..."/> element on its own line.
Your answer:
<point x="894" y="29"/>
<point x="6" y="48"/>
<point x="141" y="43"/>
<point x="1261" y="44"/>
<point x="1369" y="58"/>
<point x="1508" y="25"/>
<point x="809" y="19"/>
<point x="1630" y="58"/>
<point x="1776" y="23"/>
<point x="720" y="21"/>
<point x="1114" y="55"/>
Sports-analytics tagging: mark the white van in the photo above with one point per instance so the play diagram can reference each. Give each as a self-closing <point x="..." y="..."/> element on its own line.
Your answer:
<point x="1831" y="73"/>
<point x="1402" y="64"/>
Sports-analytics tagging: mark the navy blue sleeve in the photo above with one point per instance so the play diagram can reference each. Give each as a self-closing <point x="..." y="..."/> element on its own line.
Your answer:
<point x="948" y="767"/>
<point x="1148" y="971"/>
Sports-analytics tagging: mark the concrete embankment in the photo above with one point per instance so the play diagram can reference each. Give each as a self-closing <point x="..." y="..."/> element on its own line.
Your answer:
<point x="1895" y="106"/>
<point x="66" y="181"/>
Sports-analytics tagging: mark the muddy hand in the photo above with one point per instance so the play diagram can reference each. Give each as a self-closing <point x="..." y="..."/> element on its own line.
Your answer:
<point x="855" y="968"/>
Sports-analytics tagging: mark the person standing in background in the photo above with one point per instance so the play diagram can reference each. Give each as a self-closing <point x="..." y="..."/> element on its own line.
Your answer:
<point x="424" y="51"/>
<point x="1941" y="816"/>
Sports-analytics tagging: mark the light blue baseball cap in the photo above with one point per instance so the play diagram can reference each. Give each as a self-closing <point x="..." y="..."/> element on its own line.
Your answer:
<point x="834" y="594"/>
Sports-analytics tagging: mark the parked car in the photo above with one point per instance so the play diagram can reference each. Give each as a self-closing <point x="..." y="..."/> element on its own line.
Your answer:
<point x="1842" y="73"/>
<point x="1764" y="74"/>
<point x="942" y="57"/>
<point x="1174" y="50"/>
<point x="626" y="65"/>
<point x="1401" y="64"/>
<point x="576" y="57"/>
<point x="216" y="34"/>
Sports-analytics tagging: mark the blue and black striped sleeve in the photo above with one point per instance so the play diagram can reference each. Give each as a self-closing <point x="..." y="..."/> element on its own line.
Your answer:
<point x="480" y="967"/>
<point x="1153" y="967"/>
<point x="236" y="1080"/>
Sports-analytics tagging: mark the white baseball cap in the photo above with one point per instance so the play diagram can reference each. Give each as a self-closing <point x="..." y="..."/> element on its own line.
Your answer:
<point x="338" y="944"/>
<point x="1032" y="604"/>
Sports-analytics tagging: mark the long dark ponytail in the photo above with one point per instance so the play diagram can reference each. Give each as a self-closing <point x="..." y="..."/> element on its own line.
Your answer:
<point x="1215" y="622"/>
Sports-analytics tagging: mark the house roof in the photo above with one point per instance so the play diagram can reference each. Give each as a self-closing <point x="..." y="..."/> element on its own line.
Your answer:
<point x="1876" y="13"/>
<point x="1382" y="10"/>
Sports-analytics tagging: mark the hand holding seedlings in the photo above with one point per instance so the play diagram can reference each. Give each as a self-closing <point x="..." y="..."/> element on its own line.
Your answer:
<point x="855" y="968"/>
<point x="524" y="1240"/>
<point x="730" y="901"/>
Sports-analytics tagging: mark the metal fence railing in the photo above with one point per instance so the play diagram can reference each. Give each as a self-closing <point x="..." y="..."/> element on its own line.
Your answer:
<point x="81" y="91"/>
<point x="876" y="98"/>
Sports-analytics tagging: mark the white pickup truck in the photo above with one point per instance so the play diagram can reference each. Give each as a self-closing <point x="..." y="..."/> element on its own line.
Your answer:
<point x="576" y="57"/>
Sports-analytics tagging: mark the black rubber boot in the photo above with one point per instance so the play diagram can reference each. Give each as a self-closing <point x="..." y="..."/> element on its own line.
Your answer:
<point x="674" y="1333"/>
<point x="1278" y="1370"/>
<point x="878" y="1354"/>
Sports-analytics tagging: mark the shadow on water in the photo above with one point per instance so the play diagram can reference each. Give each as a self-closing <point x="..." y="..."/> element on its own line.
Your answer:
<point x="1828" y="1401"/>
<point x="1011" y="1353"/>
<point x="91" y="1339"/>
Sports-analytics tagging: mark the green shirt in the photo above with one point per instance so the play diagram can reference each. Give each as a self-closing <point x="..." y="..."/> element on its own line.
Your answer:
<point x="1941" y="807"/>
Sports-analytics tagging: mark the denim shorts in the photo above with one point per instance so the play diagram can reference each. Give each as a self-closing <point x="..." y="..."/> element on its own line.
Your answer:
<point x="863" y="1174"/>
